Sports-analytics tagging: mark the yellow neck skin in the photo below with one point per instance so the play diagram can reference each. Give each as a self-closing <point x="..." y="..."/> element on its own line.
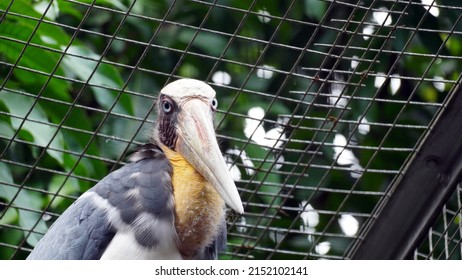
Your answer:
<point x="199" y="209"/>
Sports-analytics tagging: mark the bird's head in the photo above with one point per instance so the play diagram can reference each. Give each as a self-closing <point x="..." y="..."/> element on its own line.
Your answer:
<point x="186" y="110"/>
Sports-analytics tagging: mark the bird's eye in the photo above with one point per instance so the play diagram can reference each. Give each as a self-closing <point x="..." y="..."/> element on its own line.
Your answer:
<point x="167" y="106"/>
<point x="214" y="104"/>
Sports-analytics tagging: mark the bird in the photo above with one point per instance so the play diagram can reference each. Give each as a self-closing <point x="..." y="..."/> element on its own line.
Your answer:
<point x="169" y="202"/>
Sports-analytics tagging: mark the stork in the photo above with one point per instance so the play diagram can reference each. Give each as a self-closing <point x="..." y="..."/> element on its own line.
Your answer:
<point x="168" y="203"/>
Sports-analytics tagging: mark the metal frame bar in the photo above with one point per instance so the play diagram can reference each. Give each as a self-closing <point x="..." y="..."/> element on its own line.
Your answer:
<point x="402" y="218"/>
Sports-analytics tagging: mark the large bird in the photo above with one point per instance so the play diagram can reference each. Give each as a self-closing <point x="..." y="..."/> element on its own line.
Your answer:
<point x="168" y="203"/>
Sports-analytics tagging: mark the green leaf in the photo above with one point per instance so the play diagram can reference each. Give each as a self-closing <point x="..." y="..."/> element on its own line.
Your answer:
<point x="51" y="8"/>
<point x="9" y="217"/>
<point x="9" y="236"/>
<point x="6" y="130"/>
<point x="22" y="7"/>
<point x="76" y="140"/>
<point x="5" y="177"/>
<point x="71" y="186"/>
<point x="210" y="43"/>
<point x="315" y="9"/>
<point x="69" y="8"/>
<point x="24" y="199"/>
<point x="35" y="124"/>
<point x="102" y="75"/>
<point x="33" y="59"/>
<point x="265" y="175"/>
<point x="109" y="3"/>
<point x="432" y="41"/>
<point x="27" y="220"/>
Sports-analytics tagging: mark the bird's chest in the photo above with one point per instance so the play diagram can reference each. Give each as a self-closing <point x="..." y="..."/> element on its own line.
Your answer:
<point x="199" y="210"/>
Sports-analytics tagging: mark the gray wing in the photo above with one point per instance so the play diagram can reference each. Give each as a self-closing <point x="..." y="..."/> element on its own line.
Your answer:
<point x="81" y="232"/>
<point x="86" y="228"/>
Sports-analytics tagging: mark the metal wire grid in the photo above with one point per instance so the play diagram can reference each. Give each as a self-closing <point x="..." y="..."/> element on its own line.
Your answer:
<point x="444" y="238"/>
<point x="297" y="191"/>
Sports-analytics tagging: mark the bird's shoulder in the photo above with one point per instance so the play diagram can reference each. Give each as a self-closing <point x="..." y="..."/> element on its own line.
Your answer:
<point x="147" y="151"/>
<point x="144" y="185"/>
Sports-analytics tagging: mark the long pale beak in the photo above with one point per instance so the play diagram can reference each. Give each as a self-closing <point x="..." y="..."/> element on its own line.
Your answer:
<point x="198" y="145"/>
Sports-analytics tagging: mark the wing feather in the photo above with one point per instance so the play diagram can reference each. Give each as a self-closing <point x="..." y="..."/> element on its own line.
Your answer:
<point x="114" y="205"/>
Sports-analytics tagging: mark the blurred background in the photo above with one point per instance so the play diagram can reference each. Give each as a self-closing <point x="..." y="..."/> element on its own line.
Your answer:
<point x="322" y="105"/>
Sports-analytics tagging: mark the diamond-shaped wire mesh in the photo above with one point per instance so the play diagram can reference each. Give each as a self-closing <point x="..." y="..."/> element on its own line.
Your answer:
<point x="444" y="238"/>
<point x="321" y="104"/>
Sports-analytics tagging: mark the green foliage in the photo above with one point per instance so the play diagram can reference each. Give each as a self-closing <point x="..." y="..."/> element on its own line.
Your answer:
<point x="51" y="51"/>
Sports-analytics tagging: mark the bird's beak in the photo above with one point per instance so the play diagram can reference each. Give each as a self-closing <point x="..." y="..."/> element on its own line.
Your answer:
<point x="198" y="145"/>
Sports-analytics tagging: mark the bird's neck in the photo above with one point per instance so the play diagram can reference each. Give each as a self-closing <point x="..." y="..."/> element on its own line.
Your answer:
<point x="198" y="207"/>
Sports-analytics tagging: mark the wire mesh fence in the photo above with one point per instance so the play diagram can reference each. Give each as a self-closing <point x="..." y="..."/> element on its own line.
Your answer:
<point x="444" y="238"/>
<point x="321" y="103"/>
